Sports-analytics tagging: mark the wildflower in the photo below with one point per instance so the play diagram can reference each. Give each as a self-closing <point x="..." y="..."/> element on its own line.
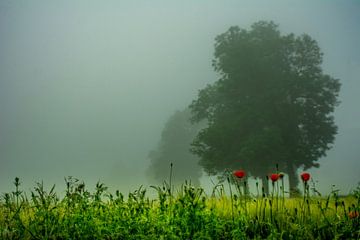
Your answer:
<point x="353" y="214"/>
<point x="274" y="177"/>
<point x="239" y="174"/>
<point x="305" y="176"/>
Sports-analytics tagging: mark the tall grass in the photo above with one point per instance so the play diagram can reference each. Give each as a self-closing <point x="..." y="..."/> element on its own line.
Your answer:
<point x="185" y="213"/>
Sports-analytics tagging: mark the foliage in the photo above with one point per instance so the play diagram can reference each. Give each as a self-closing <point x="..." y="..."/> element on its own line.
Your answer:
<point x="272" y="103"/>
<point x="189" y="214"/>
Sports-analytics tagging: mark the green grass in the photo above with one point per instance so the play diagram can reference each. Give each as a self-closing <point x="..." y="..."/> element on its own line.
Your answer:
<point x="187" y="213"/>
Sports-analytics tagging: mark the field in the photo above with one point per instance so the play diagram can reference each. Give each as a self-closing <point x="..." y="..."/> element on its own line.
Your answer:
<point x="183" y="213"/>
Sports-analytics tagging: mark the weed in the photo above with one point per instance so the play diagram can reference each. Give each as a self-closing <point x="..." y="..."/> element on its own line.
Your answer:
<point x="187" y="213"/>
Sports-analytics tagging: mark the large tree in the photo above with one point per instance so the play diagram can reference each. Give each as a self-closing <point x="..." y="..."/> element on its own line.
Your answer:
<point x="174" y="147"/>
<point x="272" y="104"/>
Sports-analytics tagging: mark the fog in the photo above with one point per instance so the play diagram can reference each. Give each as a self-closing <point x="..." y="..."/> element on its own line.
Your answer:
<point x="87" y="86"/>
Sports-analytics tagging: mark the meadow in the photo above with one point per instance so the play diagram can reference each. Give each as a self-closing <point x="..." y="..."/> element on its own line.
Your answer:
<point x="230" y="212"/>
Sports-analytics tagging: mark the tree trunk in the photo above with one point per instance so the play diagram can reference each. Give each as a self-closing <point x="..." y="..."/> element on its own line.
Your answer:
<point x="293" y="180"/>
<point x="265" y="186"/>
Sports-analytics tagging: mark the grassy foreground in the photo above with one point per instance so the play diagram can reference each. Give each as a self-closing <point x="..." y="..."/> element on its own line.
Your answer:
<point x="185" y="214"/>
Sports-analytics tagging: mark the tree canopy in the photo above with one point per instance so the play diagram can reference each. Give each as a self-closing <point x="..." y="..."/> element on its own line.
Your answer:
<point x="271" y="105"/>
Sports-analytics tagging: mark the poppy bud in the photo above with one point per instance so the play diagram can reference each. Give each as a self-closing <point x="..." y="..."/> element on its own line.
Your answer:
<point x="274" y="177"/>
<point x="305" y="176"/>
<point x="239" y="174"/>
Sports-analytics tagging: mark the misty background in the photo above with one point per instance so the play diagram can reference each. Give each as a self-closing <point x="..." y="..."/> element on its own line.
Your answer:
<point x="86" y="87"/>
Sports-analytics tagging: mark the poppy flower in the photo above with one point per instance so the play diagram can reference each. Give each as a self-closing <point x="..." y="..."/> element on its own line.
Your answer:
<point x="305" y="176"/>
<point x="239" y="174"/>
<point x="274" y="177"/>
<point x="353" y="214"/>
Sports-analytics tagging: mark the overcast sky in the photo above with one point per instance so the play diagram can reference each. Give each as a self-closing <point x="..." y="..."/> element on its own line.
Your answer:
<point x="86" y="86"/>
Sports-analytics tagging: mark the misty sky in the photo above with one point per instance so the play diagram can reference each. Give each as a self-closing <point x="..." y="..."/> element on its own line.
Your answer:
<point x="87" y="86"/>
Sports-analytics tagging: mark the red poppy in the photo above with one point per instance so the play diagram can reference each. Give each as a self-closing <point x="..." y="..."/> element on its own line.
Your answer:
<point x="274" y="177"/>
<point x="305" y="176"/>
<point x="239" y="174"/>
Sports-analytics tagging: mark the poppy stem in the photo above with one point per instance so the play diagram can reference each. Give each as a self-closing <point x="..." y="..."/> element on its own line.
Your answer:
<point x="170" y="178"/>
<point x="231" y="199"/>
<point x="170" y="188"/>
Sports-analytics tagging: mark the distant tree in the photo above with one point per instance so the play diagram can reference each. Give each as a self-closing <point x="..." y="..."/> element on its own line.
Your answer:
<point x="272" y="104"/>
<point x="174" y="147"/>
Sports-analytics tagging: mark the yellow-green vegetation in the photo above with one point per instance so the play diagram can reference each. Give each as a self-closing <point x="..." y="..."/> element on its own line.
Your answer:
<point x="187" y="213"/>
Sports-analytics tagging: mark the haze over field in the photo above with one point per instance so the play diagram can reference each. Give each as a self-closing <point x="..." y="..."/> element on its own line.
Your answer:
<point x="86" y="87"/>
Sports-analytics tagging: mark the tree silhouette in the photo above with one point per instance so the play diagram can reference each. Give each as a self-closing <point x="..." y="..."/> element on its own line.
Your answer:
<point x="174" y="147"/>
<point x="272" y="104"/>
